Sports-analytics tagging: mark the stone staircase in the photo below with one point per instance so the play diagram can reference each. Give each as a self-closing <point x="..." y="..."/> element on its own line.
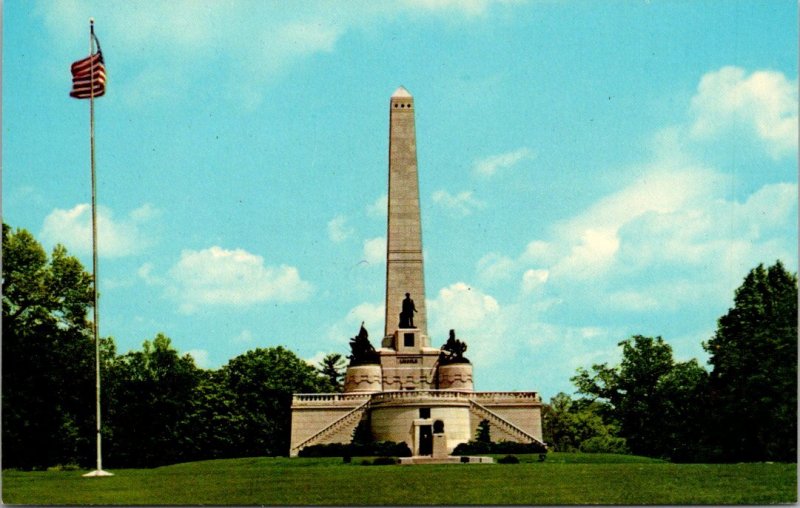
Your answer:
<point x="502" y="424"/>
<point x="339" y="431"/>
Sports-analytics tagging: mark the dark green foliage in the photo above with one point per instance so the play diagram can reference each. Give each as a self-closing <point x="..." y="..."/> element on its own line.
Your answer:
<point x="390" y="448"/>
<point x="150" y="420"/>
<point x="328" y="450"/>
<point x="158" y="407"/>
<point x="362" y="351"/>
<point x="483" y="434"/>
<point x="569" y="424"/>
<point x="754" y="370"/>
<point x="508" y="459"/>
<point x="261" y="383"/>
<point x="481" y="448"/>
<point x="163" y="409"/>
<point x="332" y="368"/>
<point x="362" y="434"/>
<point x="654" y="400"/>
<point x="472" y="448"/>
<point x="604" y="444"/>
<point x="376" y="449"/>
<point x="47" y="356"/>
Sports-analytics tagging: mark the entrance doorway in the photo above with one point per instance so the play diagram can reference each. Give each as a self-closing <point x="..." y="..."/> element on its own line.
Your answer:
<point x="425" y="440"/>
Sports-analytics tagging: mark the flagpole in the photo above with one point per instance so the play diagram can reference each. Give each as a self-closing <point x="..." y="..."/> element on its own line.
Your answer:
<point x="96" y="311"/>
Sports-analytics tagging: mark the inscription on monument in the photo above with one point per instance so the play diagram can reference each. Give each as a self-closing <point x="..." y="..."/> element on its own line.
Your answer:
<point x="408" y="359"/>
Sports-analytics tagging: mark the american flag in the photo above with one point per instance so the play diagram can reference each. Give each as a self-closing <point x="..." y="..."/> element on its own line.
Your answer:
<point x="89" y="74"/>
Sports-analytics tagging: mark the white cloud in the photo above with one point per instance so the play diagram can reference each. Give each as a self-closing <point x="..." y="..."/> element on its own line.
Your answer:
<point x="477" y="318"/>
<point x="145" y="272"/>
<point x="373" y="316"/>
<point x="534" y="279"/>
<point x="375" y="250"/>
<point x="379" y="208"/>
<point x="764" y="101"/>
<point x="667" y="239"/>
<point x="115" y="238"/>
<point x="470" y="8"/>
<point x="495" y="267"/>
<point x="307" y="37"/>
<point x="234" y="278"/>
<point x="315" y="360"/>
<point x="338" y="230"/>
<point x="489" y="166"/>
<point x="200" y="357"/>
<point x="245" y="337"/>
<point x="460" y="205"/>
<point x="588" y="244"/>
<point x="591" y="255"/>
<point x="186" y="35"/>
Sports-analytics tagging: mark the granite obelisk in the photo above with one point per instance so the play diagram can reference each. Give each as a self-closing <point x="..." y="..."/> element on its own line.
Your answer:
<point x="404" y="267"/>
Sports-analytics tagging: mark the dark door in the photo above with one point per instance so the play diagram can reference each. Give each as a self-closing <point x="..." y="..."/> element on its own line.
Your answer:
<point x="425" y="440"/>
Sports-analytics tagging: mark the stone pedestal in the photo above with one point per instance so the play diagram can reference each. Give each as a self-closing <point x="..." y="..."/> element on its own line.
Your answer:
<point x="439" y="446"/>
<point x="456" y="376"/>
<point x="363" y="378"/>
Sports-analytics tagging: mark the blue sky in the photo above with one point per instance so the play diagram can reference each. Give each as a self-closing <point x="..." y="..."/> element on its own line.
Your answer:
<point x="588" y="170"/>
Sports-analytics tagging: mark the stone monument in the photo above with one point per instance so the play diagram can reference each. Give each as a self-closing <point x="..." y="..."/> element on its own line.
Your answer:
<point x="407" y="390"/>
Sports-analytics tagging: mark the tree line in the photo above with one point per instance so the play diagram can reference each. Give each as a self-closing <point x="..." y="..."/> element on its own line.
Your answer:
<point x="160" y="408"/>
<point x="743" y="409"/>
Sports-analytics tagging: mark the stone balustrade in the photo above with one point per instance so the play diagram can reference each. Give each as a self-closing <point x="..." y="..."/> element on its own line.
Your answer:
<point x="505" y="396"/>
<point x="342" y="399"/>
<point x="313" y="399"/>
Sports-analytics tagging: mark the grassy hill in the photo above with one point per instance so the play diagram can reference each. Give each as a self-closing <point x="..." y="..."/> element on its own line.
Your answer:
<point x="561" y="479"/>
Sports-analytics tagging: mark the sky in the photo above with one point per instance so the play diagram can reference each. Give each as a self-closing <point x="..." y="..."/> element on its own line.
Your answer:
<point x="589" y="170"/>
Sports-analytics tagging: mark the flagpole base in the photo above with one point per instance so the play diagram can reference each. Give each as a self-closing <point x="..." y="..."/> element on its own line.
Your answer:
<point x="96" y="473"/>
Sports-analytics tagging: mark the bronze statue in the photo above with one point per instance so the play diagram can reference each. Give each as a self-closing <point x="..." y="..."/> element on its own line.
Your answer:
<point x="407" y="313"/>
<point x="362" y="352"/>
<point x="453" y="350"/>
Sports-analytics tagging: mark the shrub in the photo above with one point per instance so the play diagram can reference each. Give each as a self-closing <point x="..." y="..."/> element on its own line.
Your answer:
<point x="519" y="448"/>
<point x="326" y="450"/>
<point x="473" y="448"/>
<point x="390" y="449"/>
<point x="384" y="461"/>
<point x="604" y="444"/>
<point x="64" y="467"/>
<point x="379" y="448"/>
<point x="508" y="459"/>
<point x="508" y="447"/>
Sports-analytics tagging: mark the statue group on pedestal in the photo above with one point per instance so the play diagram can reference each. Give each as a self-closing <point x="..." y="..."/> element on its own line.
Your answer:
<point x="361" y="349"/>
<point x="453" y="350"/>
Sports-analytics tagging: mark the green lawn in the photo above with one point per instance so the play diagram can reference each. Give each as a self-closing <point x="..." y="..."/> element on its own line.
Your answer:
<point x="561" y="479"/>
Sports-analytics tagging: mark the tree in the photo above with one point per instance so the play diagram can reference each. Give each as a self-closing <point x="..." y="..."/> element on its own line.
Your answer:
<point x="47" y="356"/>
<point x="684" y="412"/>
<point x="150" y="420"/>
<point x="571" y="425"/>
<point x="261" y="383"/>
<point x="332" y="367"/>
<point x="647" y="393"/>
<point x="484" y="432"/>
<point x="753" y="355"/>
